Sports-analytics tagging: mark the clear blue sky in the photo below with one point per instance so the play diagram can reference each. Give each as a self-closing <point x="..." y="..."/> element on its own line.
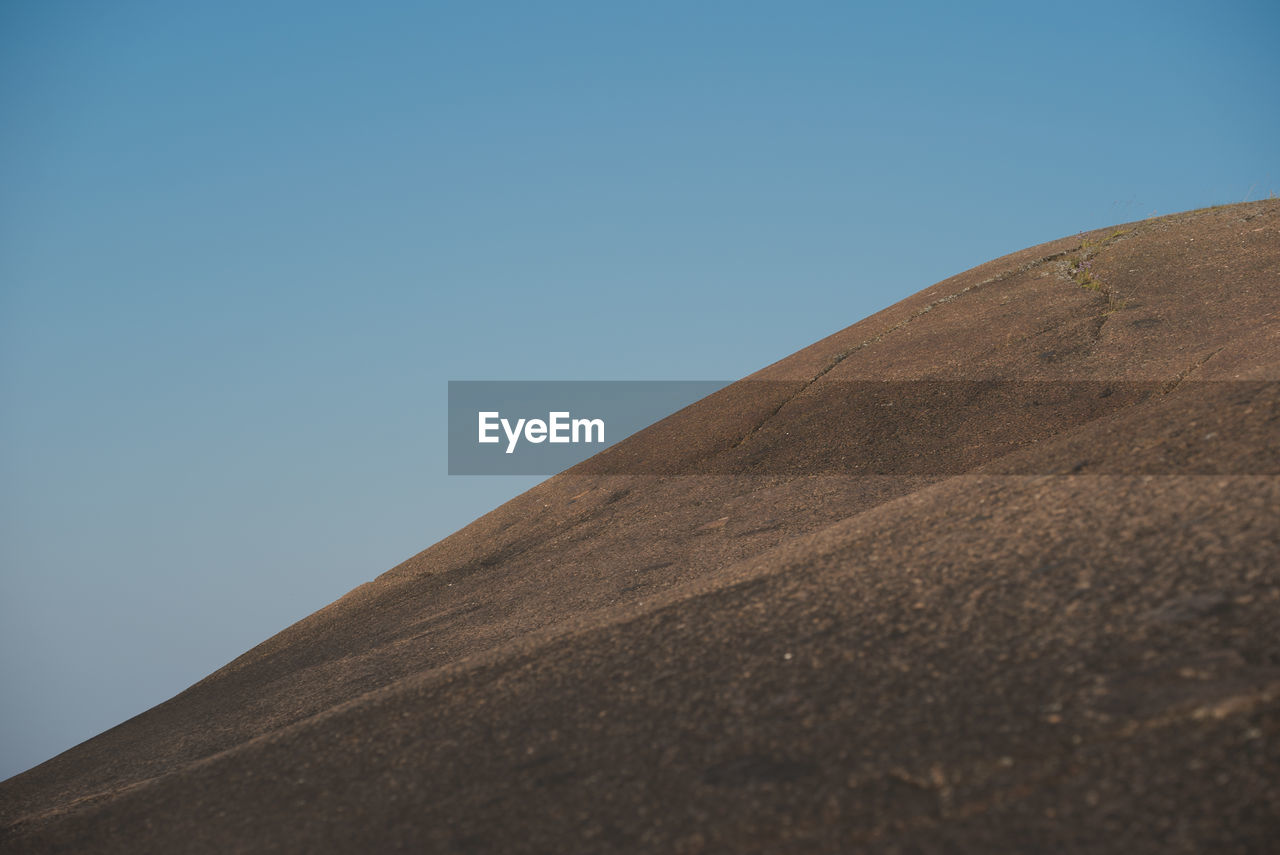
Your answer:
<point x="244" y="246"/>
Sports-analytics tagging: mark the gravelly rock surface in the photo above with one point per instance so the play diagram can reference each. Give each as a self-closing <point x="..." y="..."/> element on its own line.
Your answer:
<point x="762" y="626"/>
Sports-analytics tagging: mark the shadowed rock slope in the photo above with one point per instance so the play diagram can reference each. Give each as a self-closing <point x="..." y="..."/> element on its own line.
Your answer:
<point x="803" y="615"/>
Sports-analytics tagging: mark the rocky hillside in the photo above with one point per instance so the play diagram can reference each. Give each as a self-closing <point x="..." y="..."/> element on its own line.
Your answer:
<point x="996" y="569"/>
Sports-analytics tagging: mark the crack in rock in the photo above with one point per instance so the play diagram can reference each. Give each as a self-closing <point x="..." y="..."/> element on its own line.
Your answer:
<point x="880" y="336"/>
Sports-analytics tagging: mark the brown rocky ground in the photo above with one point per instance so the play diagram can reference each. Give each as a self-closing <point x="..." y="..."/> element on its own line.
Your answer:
<point x="771" y="623"/>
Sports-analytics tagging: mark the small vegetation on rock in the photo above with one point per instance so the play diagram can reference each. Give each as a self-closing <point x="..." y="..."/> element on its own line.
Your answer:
<point x="1080" y="268"/>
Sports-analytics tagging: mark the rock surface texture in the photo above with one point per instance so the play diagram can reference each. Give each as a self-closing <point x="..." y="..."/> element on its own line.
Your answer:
<point x="800" y="617"/>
